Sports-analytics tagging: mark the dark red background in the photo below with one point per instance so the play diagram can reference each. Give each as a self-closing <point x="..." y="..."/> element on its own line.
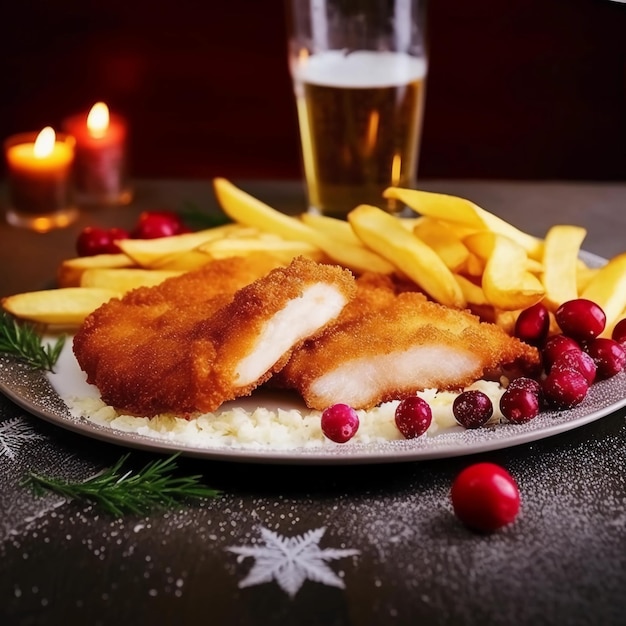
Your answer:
<point x="517" y="88"/>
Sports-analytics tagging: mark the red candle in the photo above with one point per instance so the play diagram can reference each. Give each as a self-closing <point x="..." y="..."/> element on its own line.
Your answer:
<point x="100" y="166"/>
<point x="39" y="180"/>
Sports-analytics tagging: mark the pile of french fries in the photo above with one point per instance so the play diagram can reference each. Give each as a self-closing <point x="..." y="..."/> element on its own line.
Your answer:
<point x="459" y="254"/>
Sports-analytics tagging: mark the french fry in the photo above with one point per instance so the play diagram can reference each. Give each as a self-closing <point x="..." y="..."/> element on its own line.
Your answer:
<point x="338" y="230"/>
<point x="71" y="270"/>
<point x="385" y="235"/>
<point x="460" y="230"/>
<point x="443" y="241"/>
<point x="608" y="331"/>
<point x="560" y="263"/>
<point x="181" y="262"/>
<point x="156" y="252"/>
<point x="481" y="244"/>
<point x="473" y="293"/>
<point x="68" y="306"/>
<point x="246" y="209"/>
<point x="474" y="266"/>
<point x="533" y="266"/>
<point x="243" y="246"/>
<point x="506" y="282"/>
<point x="343" y="246"/>
<point x="459" y="210"/>
<point x="584" y="275"/>
<point x="608" y="289"/>
<point x="124" y="279"/>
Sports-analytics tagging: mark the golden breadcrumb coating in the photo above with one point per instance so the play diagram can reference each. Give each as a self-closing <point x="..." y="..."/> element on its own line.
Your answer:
<point x="158" y="348"/>
<point x="386" y="346"/>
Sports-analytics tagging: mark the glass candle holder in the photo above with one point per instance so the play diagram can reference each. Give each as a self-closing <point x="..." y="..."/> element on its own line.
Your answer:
<point x="39" y="180"/>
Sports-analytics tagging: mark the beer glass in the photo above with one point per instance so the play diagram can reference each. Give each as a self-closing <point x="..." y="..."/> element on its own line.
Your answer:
<point x="359" y="72"/>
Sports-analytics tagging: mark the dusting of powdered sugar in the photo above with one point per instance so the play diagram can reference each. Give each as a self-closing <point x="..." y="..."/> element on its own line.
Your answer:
<point x="391" y="528"/>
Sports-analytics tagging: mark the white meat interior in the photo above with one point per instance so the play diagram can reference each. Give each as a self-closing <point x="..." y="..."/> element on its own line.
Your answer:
<point x="297" y="320"/>
<point x="357" y="381"/>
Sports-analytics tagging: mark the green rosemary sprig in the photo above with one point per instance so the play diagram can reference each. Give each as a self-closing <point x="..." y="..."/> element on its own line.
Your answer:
<point x="120" y="492"/>
<point x="22" y="340"/>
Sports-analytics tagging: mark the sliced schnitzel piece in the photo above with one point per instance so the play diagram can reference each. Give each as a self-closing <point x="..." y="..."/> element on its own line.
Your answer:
<point x="116" y="336"/>
<point x="199" y="339"/>
<point x="254" y="335"/>
<point x="401" y="345"/>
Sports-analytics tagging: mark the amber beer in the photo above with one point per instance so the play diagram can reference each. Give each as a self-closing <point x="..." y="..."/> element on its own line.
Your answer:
<point x="360" y="120"/>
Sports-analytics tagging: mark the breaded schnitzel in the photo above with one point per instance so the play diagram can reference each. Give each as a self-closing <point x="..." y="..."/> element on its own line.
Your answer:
<point x="211" y="335"/>
<point x="387" y="346"/>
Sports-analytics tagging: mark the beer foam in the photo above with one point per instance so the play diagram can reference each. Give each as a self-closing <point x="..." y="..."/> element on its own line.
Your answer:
<point x="360" y="69"/>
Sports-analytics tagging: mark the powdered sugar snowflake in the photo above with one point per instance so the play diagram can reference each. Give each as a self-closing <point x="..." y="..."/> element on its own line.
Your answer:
<point x="14" y="433"/>
<point x="290" y="561"/>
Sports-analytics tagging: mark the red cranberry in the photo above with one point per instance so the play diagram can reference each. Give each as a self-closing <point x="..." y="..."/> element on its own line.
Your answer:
<point x="485" y="497"/>
<point x="608" y="355"/>
<point x="522" y="382"/>
<point x="581" y="319"/>
<point x="555" y="346"/>
<point x="340" y="423"/>
<point x="576" y="360"/>
<point x="154" y="224"/>
<point x="619" y="332"/>
<point x="93" y="240"/>
<point x="519" y="405"/>
<point x="472" y="409"/>
<point x="413" y="417"/>
<point x="115" y="234"/>
<point x="565" y="388"/>
<point x="532" y="325"/>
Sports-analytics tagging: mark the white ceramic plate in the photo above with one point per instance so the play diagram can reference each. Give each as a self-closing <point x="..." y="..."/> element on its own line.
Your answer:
<point x="33" y="391"/>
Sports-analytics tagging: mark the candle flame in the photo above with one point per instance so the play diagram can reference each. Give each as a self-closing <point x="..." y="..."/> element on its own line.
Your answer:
<point x="44" y="143"/>
<point x="98" y="120"/>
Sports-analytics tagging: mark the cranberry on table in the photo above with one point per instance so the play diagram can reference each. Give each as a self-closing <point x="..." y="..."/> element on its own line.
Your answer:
<point x="413" y="417"/>
<point x="472" y="409"/>
<point x="580" y="319"/>
<point x="155" y="224"/>
<point x="340" y="423"/>
<point x="555" y="346"/>
<point x="519" y="405"/>
<point x="485" y="497"/>
<point x="619" y="332"/>
<point x="564" y="388"/>
<point x="608" y="355"/>
<point x="532" y="325"/>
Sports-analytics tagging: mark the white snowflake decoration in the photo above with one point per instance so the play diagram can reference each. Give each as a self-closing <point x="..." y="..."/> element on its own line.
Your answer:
<point x="291" y="560"/>
<point x="14" y="433"/>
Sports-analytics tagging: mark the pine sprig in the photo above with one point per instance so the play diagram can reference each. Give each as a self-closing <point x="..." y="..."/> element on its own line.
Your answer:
<point x="120" y="492"/>
<point x="21" y="339"/>
<point x="197" y="219"/>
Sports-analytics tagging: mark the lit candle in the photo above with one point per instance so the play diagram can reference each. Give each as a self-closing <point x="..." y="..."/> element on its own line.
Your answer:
<point x="100" y="166"/>
<point x="39" y="178"/>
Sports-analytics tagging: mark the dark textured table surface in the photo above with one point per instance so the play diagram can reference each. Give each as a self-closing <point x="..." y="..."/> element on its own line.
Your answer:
<point x="387" y="547"/>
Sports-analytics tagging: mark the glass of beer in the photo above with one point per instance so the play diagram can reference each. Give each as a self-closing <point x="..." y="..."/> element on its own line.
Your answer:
<point x="359" y="72"/>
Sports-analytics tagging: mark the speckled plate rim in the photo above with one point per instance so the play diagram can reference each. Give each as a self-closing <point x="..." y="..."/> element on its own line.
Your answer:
<point x="31" y="390"/>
